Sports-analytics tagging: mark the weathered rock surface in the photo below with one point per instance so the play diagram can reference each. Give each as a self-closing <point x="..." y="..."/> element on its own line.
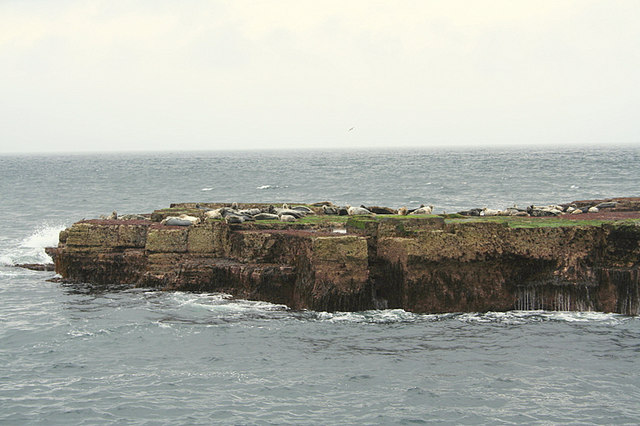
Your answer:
<point x="413" y="263"/>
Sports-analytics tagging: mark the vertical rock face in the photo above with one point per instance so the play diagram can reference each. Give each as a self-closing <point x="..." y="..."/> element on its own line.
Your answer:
<point x="418" y="264"/>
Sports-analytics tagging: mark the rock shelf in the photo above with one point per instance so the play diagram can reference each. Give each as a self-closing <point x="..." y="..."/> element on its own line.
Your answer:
<point x="333" y="262"/>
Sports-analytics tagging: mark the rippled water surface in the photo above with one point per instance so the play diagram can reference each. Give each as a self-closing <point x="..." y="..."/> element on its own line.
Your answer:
<point x="86" y="355"/>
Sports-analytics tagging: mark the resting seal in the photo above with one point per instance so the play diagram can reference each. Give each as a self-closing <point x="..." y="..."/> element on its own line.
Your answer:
<point x="214" y="214"/>
<point x="303" y="209"/>
<point x="423" y="210"/>
<point x="234" y="219"/>
<point x="330" y="210"/>
<point x="354" y="211"/>
<point x="295" y="213"/>
<point x="266" y="216"/>
<point x="380" y="210"/>
<point x="182" y="220"/>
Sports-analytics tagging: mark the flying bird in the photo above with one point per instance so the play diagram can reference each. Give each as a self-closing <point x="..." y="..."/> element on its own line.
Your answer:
<point x="351" y="129"/>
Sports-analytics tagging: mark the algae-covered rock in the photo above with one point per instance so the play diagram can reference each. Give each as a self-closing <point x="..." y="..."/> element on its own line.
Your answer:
<point x="92" y="235"/>
<point x="341" y="261"/>
<point x="340" y="249"/>
<point x="167" y="240"/>
<point x="134" y="236"/>
<point x="209" y="237"/>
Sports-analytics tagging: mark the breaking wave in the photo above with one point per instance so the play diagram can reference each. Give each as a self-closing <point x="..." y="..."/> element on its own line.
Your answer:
<point x="504" y="318"/>
<point x="224" y="306"/>
<point x="31" y="248"/>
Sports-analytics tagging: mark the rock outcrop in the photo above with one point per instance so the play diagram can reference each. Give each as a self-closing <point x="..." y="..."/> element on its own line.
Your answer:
<point x="421" y="264"/>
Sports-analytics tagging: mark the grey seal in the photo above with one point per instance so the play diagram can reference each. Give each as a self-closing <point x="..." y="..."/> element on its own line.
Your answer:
<point x="380" y="210"/>
<point x="304" y="209"/>
<point x="232" y="218"/>
<point x="330" y="210"/>
<point x="266" y="216"/>
<point x="354" y="211"/>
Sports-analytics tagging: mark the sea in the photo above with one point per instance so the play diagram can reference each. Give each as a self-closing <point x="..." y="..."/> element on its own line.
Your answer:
<point x="81" y="354"/>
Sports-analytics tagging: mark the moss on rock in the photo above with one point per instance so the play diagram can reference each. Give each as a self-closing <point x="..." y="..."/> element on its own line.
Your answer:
<point x="167" y="240"/>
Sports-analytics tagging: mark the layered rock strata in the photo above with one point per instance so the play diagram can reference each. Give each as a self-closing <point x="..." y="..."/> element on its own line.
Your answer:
<point x="425" y="264"/>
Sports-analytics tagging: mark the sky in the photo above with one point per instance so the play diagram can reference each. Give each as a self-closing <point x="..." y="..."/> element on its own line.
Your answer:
<point x="154" y="75"/>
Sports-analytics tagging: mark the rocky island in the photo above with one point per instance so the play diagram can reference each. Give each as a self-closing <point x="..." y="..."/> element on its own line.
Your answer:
<point x="583" y="255"/>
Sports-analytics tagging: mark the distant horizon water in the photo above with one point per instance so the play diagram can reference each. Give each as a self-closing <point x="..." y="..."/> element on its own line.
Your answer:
<point x="439" y="146"/>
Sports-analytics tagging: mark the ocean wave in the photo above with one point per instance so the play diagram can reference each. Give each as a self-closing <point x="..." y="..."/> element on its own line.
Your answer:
<point x="524" y="317"/>
<point x="31" y="248"/>
<point x="267" y="187"/>
<point x="385" y="316"/>
<point x="207" y="189"/>
<point x="222" y="302"/>
<point x="503" y="318"/>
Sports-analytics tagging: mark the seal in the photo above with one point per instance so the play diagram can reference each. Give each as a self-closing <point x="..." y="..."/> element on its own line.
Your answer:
<point x="423" y="210"/>
<point x="214" y="214"/>
<point x="354" y="211"/>
<point x="232" y="218"/>
<point x="290" y="212"/>
<point x="249" y="212"/>
<point x="303" y="209"/>
<point x="266" y="216"/>
<point x="380" y="210"/>
<point x="330" y="210"/>
<point x="287" y="218"/>
<point x="182" y="220"/>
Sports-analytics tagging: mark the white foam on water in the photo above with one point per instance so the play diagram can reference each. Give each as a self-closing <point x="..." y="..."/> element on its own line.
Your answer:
<point x="523" y="317"/>
<point x="221" y="302"/>
<point x="390" y="316"/>
<point x="385" y="316"/>
<point x="266" y="186"/>
<point x="570" y="316"/>
<point x="207" y="189"/>
<point x="31" y="248"/>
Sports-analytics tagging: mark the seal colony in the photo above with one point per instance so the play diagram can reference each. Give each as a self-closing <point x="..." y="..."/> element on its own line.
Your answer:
<point x="329" y="257"/>
<point x="233" y="214"/>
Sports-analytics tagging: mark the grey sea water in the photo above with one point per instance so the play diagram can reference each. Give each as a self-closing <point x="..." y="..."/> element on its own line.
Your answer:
<point x="77" y="354"/>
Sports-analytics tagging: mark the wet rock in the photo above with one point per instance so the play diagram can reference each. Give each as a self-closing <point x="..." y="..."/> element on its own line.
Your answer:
<point x="413" y="263"/>
<point x="133" y="217"/>
<point x="36" y="266"/>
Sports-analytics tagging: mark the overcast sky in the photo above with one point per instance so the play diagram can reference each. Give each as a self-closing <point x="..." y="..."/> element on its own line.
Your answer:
<point x="181" y="75"/>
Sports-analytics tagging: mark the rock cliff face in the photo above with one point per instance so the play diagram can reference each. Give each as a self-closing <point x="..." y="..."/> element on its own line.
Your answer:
<point x="418" y="264"/>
